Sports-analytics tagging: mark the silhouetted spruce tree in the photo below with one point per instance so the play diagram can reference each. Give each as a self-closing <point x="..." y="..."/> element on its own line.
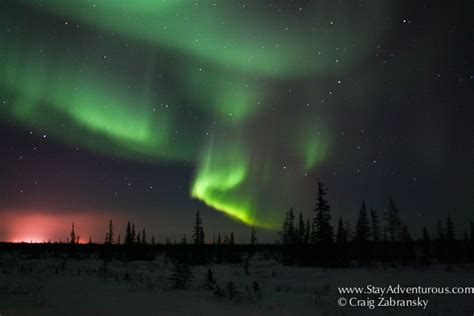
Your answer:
<point x="153" y="240"/>
<point x="341" y="234"/>
<point x="408" y="247"/>
<point x="253" y="237"/>
<point x="288" y="233"/>
<point x="349" y="230"/>
<point x="342" y="245"/>
<point x="450" y="235"/>
<point x="119" y="241"/>
<point x="72" y="235"/>
<point x="231" y="240"/>
<point x="231" y="291"/>
<point x="198" y="231"/>
<point x="144" y="242"/>
<point x="210" y="282"/>
<point x="219" y="240"/>
<point x="128" y="234"/>
<point x="450" y="244"/>
<point x="134" y="235"/>
<point x="181" y="275"/>
<point x="440" y="242"/>
<point x="184" y="241"/>
<point x="138" y="239"/>
<point x="323" y="231"/>
<point x="375" y="225"/>
<point x="426" y="246"/>
<point x="362" y="235"/>
<point x="110" y="234"/>
<point x="393" y="220"/>
<point x="362" y="230"/>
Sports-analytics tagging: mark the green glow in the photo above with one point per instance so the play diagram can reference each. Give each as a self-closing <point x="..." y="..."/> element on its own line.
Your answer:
<point x="235" y="37"/>
<point x="221" y="171"/>
<point x="161" y="80"/>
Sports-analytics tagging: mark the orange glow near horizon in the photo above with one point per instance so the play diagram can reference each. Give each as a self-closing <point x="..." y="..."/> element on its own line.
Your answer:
<point x="43" y="226"/>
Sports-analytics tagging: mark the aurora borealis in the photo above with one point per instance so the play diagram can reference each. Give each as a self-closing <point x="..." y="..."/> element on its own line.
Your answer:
<point x="236" y="107"/>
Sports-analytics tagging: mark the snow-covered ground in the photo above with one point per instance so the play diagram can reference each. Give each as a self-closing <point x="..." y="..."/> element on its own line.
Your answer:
<point x="80" y="287"/>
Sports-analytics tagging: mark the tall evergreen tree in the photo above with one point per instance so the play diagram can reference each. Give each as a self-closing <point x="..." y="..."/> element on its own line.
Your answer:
<point x="181" y="276"/>
<point x="408" y="249"/>
<point x="290" y="233"/>
<point x="138" y="239"/>
<point x="134" y="235"/>
<point x="144" y="242"/>
<point x="219" y="239"/>
<point x="323" y="231"/>
<point x="362" y="232"/>
<point x="72" y="235"/>
<point x="128" y="234"/>
<point x="231" y="241"/>
<point x="450" y="234"/>
<point x="110" y="234"/>
<point x="341" y="234"/>
<point x="198" y="231"/>
<point x="375" y="225"/>
<point x="253" y="237"/>
<point x="393" y="220"/>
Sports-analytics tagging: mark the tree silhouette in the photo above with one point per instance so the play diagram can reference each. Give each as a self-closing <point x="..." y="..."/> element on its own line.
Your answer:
<point x="253" y="237"/>
<point x="128" y="234"/>
<point x="198" y="231"/>
<point x="210" y="282"/>
<point x="134" y="236"/>
<point x="109" y="237"/>
<point x="288" y="233"/>
<point x="450" y="234"/>
<point x="341" y="234"/>
<point x="181" y="275"/>
<point x="231" y="241"/>
<point x="426" y="246"/>
<point x="393" y="220"/>
<point x="72" y="235"/>
<point x="375" y="225"/>
<point x="323" y="231"/>
<point x="362" y="231"/>
<point x="231" y="290"/>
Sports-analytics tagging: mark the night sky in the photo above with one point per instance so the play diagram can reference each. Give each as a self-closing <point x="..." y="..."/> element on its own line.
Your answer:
<point x="151" y="110"/>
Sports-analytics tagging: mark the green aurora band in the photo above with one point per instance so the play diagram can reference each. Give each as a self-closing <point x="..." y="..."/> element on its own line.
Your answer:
<point x="193" y="84"/>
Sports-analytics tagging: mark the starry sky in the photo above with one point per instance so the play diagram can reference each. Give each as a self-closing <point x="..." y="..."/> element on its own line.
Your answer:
<point x="151" y="110"/>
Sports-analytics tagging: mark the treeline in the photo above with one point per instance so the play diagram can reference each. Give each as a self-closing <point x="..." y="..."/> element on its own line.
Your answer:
<point x="375" y="237"/>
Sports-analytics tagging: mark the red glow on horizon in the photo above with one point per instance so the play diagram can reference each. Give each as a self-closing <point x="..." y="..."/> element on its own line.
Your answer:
<point x="42" y="226"/>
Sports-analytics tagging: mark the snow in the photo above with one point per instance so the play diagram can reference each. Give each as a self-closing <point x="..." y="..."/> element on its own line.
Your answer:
<point x="78" y="287"/>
